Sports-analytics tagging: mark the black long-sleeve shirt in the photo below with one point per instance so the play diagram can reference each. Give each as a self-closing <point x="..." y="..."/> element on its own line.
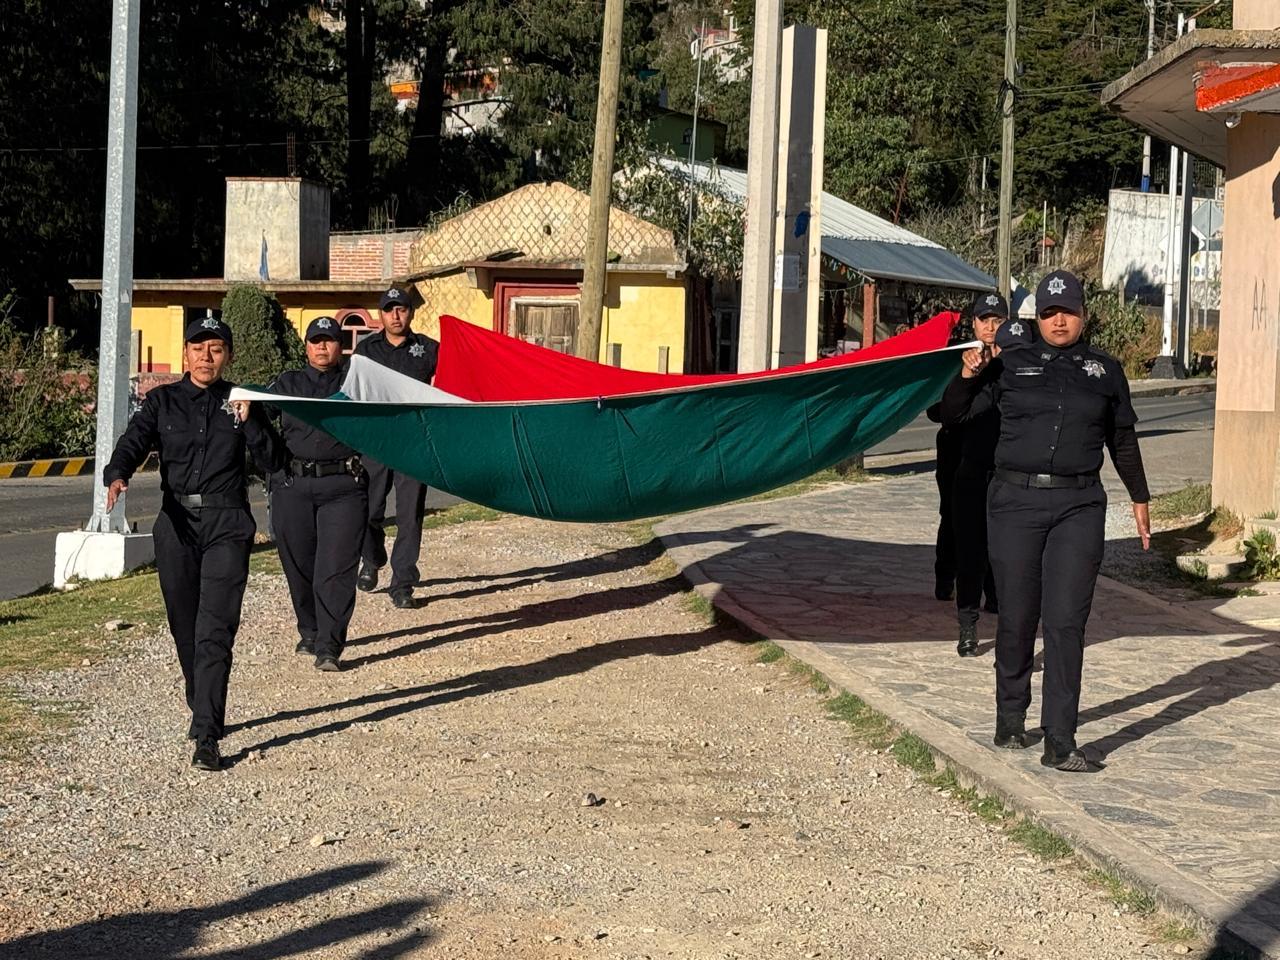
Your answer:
<point x="1058" y="406"/>
<point x="305" y="442"/>
<point x="415" y="356"/>
<point x="201" y="443"/>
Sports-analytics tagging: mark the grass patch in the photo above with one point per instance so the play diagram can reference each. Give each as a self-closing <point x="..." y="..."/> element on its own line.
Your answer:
<point x="990" y="809"/>
<point x="1192" y="501"/>
<point x="871" y="726"/>
<point x="695" y="602"/>
<point x="1172" y="930"/>
<point x="460" y="513"/>
<point x="1043" y="843"/>
<point x="913" y="753"/>
<point x="812" y="677"/>
<point x="770" y="652"/>
<point x="819" y="479"/>
<point x="1128" y="899"/>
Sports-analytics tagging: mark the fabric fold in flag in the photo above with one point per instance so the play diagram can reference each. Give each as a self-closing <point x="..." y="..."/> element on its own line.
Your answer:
<point x="627" y="455"/>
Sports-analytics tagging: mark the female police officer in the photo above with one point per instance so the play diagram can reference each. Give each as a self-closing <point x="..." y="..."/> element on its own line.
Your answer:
<point x="977" y="438"/>
<point x="1060" y="402"/>
<point x="204" y="531"/>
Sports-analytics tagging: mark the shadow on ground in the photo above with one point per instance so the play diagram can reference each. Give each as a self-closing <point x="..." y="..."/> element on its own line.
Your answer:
<point x="169" y="935"/>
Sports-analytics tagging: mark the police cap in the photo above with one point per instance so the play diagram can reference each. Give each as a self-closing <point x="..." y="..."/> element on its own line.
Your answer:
<point x="396" y="296"/>
<point x="1060" y="290"/>
<point x="207" y="328"/>
<point x="322" y="328"/>
<point x="990" y="305"/>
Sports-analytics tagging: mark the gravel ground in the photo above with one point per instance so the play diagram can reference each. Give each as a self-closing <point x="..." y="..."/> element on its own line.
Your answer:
<point x="429" y="800"/>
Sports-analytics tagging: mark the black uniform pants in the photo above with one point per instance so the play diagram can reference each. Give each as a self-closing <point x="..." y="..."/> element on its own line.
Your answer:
<point x="948" y="460"/>
<point x="320" y="527"/>
<point x="202" y="557"/>
<point x="411" y="500"/>
<point x="1046" y="548"/>
<point x="969" y="533"/>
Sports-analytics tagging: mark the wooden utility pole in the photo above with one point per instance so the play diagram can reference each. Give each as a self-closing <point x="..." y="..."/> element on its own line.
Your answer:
<point x="1005" y="231"/>
<point x="591" y="303"/>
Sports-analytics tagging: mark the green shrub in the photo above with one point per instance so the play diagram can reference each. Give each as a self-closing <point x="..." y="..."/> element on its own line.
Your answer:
<point x="265" y="341"/>
<point x="47" y="398"/>
<point x="1260" y="554"/>
<point x="1123" y="330"/>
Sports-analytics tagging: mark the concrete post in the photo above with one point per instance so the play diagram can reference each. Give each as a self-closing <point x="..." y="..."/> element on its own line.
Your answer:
<point x="104" y="548"/>
<point x="755" y="320"/>
<point x="1004" y="230"/>
<point x="798" y="271"/>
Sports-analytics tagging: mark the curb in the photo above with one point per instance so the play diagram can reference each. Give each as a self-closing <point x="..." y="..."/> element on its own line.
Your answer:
<point x="1097" y="844"/>
<point x="1173" y="390"/>
<point x="58" y="467"/>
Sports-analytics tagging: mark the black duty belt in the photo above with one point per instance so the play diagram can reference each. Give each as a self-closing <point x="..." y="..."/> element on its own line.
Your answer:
<point x="216" y="501"/>
<point x="325" y="468"/>
<point x="1047" y="481"/>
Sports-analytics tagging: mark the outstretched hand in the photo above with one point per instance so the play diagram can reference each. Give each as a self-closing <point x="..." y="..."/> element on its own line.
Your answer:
<point x="973" y="362"/>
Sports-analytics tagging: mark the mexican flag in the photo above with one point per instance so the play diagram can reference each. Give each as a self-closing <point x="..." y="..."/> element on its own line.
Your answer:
<point x="526" y="430"/>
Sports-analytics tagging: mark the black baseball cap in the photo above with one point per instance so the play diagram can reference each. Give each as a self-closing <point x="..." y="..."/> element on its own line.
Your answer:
<point x="207" y="328"/>
<point x="396" y="296"/>
<point x="322" y="328"/>
<point x="990" y="305"/>
<point x="1061" y="289"/>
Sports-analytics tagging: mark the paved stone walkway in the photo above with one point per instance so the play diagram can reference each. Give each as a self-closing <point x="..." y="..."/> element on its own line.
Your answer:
<point x="1180" y="704"/>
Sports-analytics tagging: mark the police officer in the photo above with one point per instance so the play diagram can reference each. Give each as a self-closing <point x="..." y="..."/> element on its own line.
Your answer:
<point x="204" y="530"/>
<point x="319" y="505"/>
<point x="396" y="346"/>
<point x="968" y="493"/>
<point x="946" y="460"/>
<point x="1060" y="401"/>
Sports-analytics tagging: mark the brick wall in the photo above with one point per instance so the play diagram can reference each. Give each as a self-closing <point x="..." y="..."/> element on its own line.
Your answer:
<point x="370" y="256"/>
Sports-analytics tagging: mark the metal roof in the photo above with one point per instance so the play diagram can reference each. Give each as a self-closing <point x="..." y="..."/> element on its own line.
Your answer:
<point x="869" y="244"/>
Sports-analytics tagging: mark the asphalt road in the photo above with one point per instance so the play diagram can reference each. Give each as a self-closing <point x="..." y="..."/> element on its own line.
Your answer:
<point x="32" y="512"/>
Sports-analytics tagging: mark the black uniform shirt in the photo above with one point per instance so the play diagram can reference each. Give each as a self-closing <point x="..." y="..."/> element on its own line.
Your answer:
<point x="1058" y="408"/>
<point x="414" y="357"/>
<point x="201" y="443"/>
<point x="304" y="441"/>
<point x="980" y="434"/>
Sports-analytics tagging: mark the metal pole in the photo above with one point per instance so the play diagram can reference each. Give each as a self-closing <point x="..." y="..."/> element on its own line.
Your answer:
<point x="1164" y="366"/>
<point x="1004" y="234"/>
<point x="117" y="256"/>
<point x="693" y="138"/>
<point x="1184" y="263"/>
<point x="755" y="318"/>
<point x="591" y="304"/>
<point x="1146" y="141"/>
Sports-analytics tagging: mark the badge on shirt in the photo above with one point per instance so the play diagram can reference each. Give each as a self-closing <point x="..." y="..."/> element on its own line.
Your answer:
<point x="230" y="411"/>
<point x="417" y="350"/>
<point x="1094" y="369"/>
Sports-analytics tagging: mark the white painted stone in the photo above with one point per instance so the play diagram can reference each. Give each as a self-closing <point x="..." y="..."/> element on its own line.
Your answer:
<point x="82" y="555"/>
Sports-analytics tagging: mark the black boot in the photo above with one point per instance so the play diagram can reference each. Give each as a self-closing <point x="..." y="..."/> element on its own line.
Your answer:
<point x="968" y="645"/>
<point x="367" y="580"/>
<point x="207" y="756"/>
<point x="1011" y="731"/>
<point x="307" y="645"/>
<point x="1061" y="753"/>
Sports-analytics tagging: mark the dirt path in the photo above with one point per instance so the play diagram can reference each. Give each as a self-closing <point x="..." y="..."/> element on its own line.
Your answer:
<point x="428" y="800"/>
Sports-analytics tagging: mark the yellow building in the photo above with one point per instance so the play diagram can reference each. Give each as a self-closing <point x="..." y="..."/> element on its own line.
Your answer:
<point x="515" y="265"/>
<point x="512" y="265"/>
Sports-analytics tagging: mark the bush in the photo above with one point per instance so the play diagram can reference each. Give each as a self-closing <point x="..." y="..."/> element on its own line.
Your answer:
<point x="47" y="398"/>
<point x="1123" y="330"/>
<point x="1260" y="554"/>
<point x="265" y="341"/>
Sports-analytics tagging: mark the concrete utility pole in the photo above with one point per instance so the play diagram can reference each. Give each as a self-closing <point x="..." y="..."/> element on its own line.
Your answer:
<point x="1005" y="231"/>
<point x="591" y="303"/>
<point x="755" y="317"/>
<point x="117" y="256"/>
<point x="1166" y="365"/>
<point x="104" y="548"/>
<point x="1151" y="49"/>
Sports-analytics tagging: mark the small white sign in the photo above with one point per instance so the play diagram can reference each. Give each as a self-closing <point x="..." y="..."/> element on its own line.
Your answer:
<point x="786" y="272"/>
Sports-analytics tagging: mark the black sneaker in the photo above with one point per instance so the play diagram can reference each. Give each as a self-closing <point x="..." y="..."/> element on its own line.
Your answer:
<point x="306" y="646"/>
<point x="207" y="756"/>
<point x="368" y="577"/>
<point x="1011" y="731"/>
<point x="968" y="645"/>
<point x="327" y="663"/>
<point x="1061" y="753"/>
<point x="402" y="597"/>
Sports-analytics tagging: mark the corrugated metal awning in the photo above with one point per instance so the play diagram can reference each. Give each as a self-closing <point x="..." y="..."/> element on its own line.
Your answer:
<point x="909" y="263"/>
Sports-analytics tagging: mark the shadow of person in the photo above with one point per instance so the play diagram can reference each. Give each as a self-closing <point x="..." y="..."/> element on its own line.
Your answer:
<point x="169" y="935"/>
<point x="388" y="704"/>
<point x="1210" y="684"/>
<point x="1252" y="927"/>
